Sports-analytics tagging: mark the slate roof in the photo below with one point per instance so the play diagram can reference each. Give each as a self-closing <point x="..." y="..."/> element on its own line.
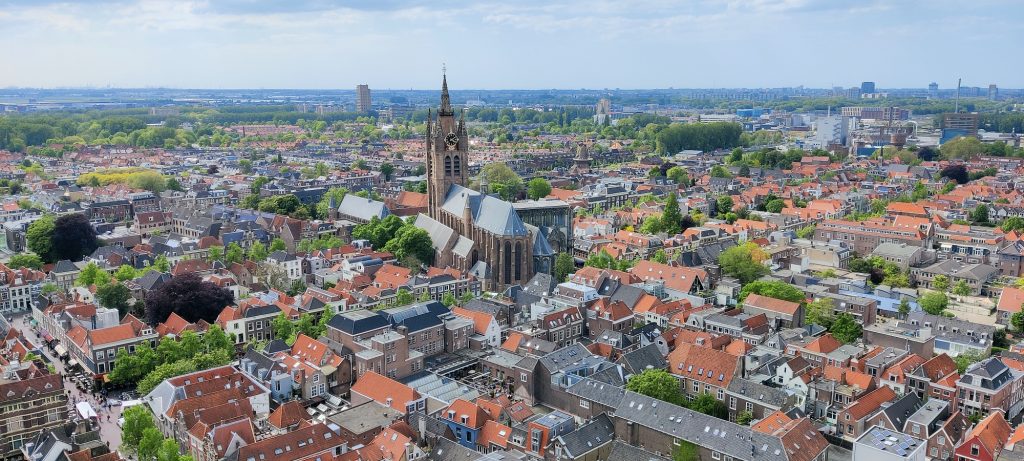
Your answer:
<point x="649" y="356"/>
<point x="901" y="409"/>
<point x="588" y="437"/>
<point x="416" y="317"/>
<point x="358" y="321"/>
<point x="622" y="451"/>
<point x="362" y="208"/>
<point x="489" y="213"/>
<point x="755" y="391"/>
<point x="598" y="392"/>
<point x="739" y="442"/>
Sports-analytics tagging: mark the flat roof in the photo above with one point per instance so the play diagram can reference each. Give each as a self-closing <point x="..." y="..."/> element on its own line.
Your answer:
<point x="884" y="439"/>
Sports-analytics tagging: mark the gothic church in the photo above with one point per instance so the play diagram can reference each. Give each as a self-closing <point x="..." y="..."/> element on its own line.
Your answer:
<point x="472" y="231"/>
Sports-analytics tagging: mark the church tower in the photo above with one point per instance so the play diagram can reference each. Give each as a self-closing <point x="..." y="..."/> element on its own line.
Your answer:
<point x="447" y="152"/>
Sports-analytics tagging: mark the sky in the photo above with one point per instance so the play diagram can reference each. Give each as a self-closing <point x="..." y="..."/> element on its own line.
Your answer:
<point x="527" y="44"/>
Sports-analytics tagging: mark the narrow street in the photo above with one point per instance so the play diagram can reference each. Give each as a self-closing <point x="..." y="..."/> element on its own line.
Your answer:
<point x="109" y="431"/>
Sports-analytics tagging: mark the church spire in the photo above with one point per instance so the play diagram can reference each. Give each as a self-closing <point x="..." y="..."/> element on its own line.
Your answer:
<point x="446" y="103"/>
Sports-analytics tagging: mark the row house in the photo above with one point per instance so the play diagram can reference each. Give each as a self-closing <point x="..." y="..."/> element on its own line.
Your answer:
<point x="659" y="427"/>
<point x="251" y="320"/>
<point x="175" y="398"/>
<point x="375" y="346"/>
<point x="990" y="385"/>
<point x="864" y="236"/>
<point x="976" y="276"/>
<point x="32" y="401"/>
<point x="702" y="370"/>
<point x="96" y="350"/>
<point x="968" y="244"/>
<point x="18" y="288"/>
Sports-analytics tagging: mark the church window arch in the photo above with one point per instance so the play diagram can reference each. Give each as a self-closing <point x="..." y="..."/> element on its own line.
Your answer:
<point x="507" y="259"/>
<point x="519" y="261"/>
<point x="447" y="165"/>
<point x="458" y="165"/>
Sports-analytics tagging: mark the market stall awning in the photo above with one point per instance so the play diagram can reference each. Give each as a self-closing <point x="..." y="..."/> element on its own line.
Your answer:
<point x="73" y="363"/>
<point x="47" y="337"/>
<point x="86" y="410"/>
<point x="60" y="350"/>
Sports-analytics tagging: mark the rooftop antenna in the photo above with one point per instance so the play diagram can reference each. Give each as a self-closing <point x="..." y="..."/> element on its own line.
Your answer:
<point x="956" y="107"/>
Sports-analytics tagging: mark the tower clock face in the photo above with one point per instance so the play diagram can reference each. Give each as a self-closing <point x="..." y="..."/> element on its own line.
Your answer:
<point x="451" y="139"/>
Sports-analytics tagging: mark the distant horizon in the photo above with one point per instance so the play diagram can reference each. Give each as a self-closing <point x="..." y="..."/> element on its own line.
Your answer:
<point x="879" y="89"/>
<point x="540" y="44"/>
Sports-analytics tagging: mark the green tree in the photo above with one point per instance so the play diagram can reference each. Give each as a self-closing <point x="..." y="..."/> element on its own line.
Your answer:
<point x="719" y="171"/>
<point x="775" y="206"/>
<point x="403" y="297"/>
<point x="538" y="188"/>
<point x="169" y="451"/>
<point x="39" y="237"/>
<point x="820" y="312"/>
<point x="337" y="194"/>
<point x="660" y="257"/>
<point x="940" y="283"/>
<point x="136" y="420"/>
<point x="1017" y="321"/>
<point x="724" y="204"/>
<point x="686" y="451"/>
<point x="162" y="372"/>
<point x="845" y="328"/>
<point x="277" y="245"/>
<point x="173" y="184"/>
<point x="216" y="253"/>
<point x="805" y="232"/>
<point x="448" y="299"/>
<point x="964" y="147"/>
<point x="411" y="241"/>
<point x="258" y="251"/>
<point x="965" y="359"/>
<point x="114" y="296"/>
<point x="28" y="260"/>
<point x="658" y="384"/>
<point x="150" y="443"/>
<point x="282" y="327"/>
<point x="709" y="405"/>
<point x="773" y="289"/>
<point x="743" y="262"/>
<point x="980" y="214"/>
<point x="130" y="368"/>
<point x="216" y="339"/>
<point x="387" y="169"/>
<point x="679" y="175"/>
<point x="904" y="307"/>
<point x="934" y="302"/>
<point x="161" y="264"/>
<point x="961" y="288"/>
<point x="234" y="254"/>
<point x="125" y="273"/>
<point x="744" y="418"/>
<point x="503" y="181"/>
<point x="1013" y="223"/>
<point x="92" y="274"/>
<point x="651" y="225"/>
<point x="671" y="218"/>
<point x="564" y="266"/>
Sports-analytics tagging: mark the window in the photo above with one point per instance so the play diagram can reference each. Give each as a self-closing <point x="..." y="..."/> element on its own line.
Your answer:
<point x="975" y="450"/>
<point x="732" y="403"/>
<point x="522" y="377"/>
<point x="696" y="386"/>
<point x="750" y="407"/>
<point x="584" y="403"/>
<point x="721" y="394"/>
<point x="716" y="455"/>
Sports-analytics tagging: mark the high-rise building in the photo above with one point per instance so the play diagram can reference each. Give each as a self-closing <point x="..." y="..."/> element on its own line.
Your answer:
<point x="955" y="125"/>
<point x="603" y="111"/>
<point x="362" y="98"/>
<point x="867" y="87"/>
<point x="933" y="90"/>
<point x="993" y="92"/>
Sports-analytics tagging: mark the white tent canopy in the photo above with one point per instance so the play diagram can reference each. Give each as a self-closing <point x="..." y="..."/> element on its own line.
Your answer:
<point x="86" y="410"/>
